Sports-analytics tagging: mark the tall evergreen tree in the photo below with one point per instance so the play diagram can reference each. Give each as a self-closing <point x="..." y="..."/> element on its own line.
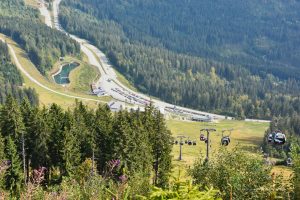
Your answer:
<point x="56" y="121"/>
<point x="14" y="175"/>
<point x="11" y="121"/>
<point x="71" y="148"/>
<point x="102" y="127"/>
<point x="161" y="141"/>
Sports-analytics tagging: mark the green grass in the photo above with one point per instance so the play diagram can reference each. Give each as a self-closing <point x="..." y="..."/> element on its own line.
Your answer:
<point x="81" y="77"/>
<point x="246" y="135"/>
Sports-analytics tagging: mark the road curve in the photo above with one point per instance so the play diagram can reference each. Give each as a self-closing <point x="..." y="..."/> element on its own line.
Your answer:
<point x="18" y="64"/>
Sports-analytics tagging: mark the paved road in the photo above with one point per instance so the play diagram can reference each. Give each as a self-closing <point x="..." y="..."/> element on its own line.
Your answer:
<point x="45" y="13"/>
<point x="21" y="68"/>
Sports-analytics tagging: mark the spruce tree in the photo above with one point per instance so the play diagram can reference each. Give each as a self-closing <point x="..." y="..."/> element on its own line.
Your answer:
<point x="14" y="175"/>
<point x="84" y="121"/>
<point x="102" y="128"/>
<point x="11" y="121"/>
<point x="161" y="141"/>
<point x="71" y="148"/>
<point x="56" y="121"/>
<point x="39" y="138"/>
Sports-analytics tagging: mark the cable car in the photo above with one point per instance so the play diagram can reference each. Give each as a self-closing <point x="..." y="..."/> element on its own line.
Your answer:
<point x="289" y="162"/>
<point x="225" y="141"/>
<point x="270" y="138"/>
<point x="202" y="137"/>
<point x="279" y="138"/>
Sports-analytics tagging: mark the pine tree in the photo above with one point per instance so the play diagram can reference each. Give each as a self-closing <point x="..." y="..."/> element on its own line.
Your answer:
<point x="84" y="120"/>
<point x="56" y="121"/>
<point x="14" y="175"/>
<point x="102" y="128"/>
<point x="38" y="139"/>
<point x="71" y="150"/>
<point x="161" y="140"/>
<point x="11" y="121"/>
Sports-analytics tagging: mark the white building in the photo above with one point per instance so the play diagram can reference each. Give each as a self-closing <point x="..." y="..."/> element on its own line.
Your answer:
<point x="116" y="106"/>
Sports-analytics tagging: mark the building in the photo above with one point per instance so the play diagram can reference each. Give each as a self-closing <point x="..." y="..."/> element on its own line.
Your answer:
<point x="201" y="118"/>
<point x="116" y="106"/>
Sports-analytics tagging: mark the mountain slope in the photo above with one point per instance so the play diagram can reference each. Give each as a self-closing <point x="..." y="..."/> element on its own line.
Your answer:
<point x="261" y="35"/>
<point x="201" y="82"/>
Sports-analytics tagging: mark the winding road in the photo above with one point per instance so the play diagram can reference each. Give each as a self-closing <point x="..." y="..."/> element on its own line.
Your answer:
<point x="112" y="86"/>
<point x="21" y="68"/>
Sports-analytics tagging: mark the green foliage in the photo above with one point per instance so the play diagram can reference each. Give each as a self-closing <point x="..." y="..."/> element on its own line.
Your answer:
<point x="13" y="175"/>
<point x="11" y="121"/>
<point x="123" y="145"/>
<point x="296" y="166"/>
<point x="245" y="176"/>
<point x="182" y="190"/>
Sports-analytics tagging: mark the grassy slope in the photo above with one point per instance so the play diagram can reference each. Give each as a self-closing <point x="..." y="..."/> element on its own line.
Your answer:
<point x="246" y="135"/>
<point x="47" y="97"/>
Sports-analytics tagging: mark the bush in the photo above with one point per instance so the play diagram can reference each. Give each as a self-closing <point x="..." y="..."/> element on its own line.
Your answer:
<point x="238" y="174"/>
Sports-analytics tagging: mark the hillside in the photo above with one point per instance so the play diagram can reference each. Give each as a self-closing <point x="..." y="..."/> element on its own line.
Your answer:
<point x="198" y="60"/>
<point x="43" y="45"/>
<point x="53" y="147"/>
<point x="260" y="35"/>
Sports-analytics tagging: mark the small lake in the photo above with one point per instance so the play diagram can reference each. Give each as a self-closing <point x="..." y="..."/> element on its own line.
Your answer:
<point x="62" y="76"/>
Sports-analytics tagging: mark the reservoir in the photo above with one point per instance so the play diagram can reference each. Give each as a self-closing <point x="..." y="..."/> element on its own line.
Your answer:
<point x="62" y="76"/>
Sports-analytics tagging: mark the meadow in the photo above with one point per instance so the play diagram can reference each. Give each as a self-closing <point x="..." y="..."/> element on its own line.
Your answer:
<point x="246" y="136"/>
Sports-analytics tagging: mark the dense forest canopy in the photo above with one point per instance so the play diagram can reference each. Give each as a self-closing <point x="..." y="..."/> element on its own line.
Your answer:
<point x="253" y="33"/>
<point x="201" y="81"/>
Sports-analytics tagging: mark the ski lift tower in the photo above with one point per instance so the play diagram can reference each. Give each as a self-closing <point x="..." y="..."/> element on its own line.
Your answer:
<point x="180" y="144"/>
<point x="208" y="131"/>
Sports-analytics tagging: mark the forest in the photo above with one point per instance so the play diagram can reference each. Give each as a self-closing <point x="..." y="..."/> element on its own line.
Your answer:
<point x="203" y="83"/>
<point x="80" y="153"/>
<point x="43" y="45"/>
<point x="255" y="34"/>
<point x="11" y="80"/>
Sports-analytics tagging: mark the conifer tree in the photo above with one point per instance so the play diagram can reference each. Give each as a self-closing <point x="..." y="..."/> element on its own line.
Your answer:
<point x="103" y="126"/>
<point x="161" y="149"/>
<point x="14" y="175"/>
<point x="83" y="119"/>
<point x="56" y="121"/>
<point x="11" y="121"/>
<point x="39" y="139"/>
<point x="71" y="148"/>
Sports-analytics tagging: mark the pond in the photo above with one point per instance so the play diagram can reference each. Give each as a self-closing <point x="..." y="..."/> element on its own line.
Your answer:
<point x="62" y="76"/>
